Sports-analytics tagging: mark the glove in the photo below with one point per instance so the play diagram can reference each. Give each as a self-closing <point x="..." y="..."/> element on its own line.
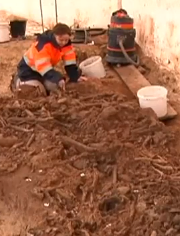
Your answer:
<point x="82" y="78"/>
<point x="62" y="85"/>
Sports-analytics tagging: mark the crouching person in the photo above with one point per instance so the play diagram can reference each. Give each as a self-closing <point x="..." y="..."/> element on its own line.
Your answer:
<point x="38" y="62"/>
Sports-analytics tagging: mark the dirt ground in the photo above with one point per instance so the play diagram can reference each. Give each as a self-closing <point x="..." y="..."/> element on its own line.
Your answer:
<point x="90" y="162"/>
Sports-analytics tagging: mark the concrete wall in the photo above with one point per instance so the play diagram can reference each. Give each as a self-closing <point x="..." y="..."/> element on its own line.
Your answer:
<point x="158" y="29"/>
<point x="87" y="13"/>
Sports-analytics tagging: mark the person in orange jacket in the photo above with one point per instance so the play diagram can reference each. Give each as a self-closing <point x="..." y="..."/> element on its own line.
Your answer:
<point x="38" y="62"/>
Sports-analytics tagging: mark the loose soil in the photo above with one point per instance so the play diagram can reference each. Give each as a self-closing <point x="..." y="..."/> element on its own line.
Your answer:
<point x="88" y="162"/>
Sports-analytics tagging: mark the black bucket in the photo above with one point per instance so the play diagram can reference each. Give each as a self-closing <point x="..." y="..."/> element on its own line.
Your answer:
<point x="17" y="28"/>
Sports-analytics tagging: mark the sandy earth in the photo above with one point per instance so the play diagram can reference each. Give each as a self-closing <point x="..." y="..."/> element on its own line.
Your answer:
<point x="88" y="163"/>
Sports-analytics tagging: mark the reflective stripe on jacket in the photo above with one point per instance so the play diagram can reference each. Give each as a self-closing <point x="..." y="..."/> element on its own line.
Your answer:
<point x="43" y="55"/>
<point x="44" y="60"/>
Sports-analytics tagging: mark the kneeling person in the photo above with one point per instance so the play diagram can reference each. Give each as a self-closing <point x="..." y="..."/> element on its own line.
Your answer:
<point x="38" y="62"/>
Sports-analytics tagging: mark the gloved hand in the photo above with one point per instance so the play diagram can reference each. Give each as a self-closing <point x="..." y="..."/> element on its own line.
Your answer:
<point x="62" y="85"/>
<point x="82" y="78"/>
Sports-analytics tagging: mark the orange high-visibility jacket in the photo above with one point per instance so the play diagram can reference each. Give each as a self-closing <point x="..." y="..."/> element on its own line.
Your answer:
<point x="44" y="54"/>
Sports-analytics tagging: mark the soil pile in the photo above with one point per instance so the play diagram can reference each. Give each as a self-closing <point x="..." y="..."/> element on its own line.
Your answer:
<point x="93" y="163"/>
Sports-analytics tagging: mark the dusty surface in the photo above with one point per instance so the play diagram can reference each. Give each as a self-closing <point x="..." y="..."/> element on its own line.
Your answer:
<point x="88" y="163"/>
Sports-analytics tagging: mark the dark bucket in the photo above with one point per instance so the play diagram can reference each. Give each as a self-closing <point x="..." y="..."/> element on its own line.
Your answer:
<point x="17" y="28"/>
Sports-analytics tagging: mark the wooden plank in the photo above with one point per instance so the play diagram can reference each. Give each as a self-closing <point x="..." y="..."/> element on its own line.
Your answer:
<point x="134" y="80"/>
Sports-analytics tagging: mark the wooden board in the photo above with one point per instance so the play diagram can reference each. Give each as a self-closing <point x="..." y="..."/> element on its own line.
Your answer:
<point x="134" y="80"/>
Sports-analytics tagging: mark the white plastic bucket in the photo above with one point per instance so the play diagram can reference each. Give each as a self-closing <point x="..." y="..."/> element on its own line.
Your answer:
<point x="93" y="67"/>
<point x="4" y="33"/>
<point x="154" y="97"/>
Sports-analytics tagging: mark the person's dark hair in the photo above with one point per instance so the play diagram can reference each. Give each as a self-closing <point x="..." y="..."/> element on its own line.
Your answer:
<point x="120" y="11"/>
<point x="123" y="11"/>
<point x="61" y="29"/>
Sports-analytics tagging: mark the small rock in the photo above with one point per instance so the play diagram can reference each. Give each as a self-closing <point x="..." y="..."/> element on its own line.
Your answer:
<point x="156" y="224"/>
<point x="129" y="145"/>
<point x="29" y="234"/>
<point x="112" y="131"/>
<point x="166" y="225"/>
<point x="123" y="190"/>
<point x="12" y="168"/>
<point x="164" y="217"/>
<point x="80" y="164"/>
<point x="62" y="100"/>
<point x="174" y="210"/>
<point x="177" y="227"/>
<point x="48" y="230"/>
<point x="141" y="206"/>
<point x="83" y="114"/>
<point x="170" y="231"/>
<point x="124" y="177"/>
<point x="152" y="215"/>
<point x="176" y="219"/>
<point x="55" y="229"/>
<point x="55" y="132"/>
<point x="16" y="104"/>
<point x="38" y="160"/>
<point x="154" y="233"/>
<point x="37" y="193"/>
<point x="8" y="141"/>
<point x="108" y="112"/>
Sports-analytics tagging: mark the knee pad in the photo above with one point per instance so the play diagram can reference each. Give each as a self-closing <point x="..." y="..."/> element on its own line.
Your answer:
<point x="36" y="84"/>
<point x="16" y="84"/>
